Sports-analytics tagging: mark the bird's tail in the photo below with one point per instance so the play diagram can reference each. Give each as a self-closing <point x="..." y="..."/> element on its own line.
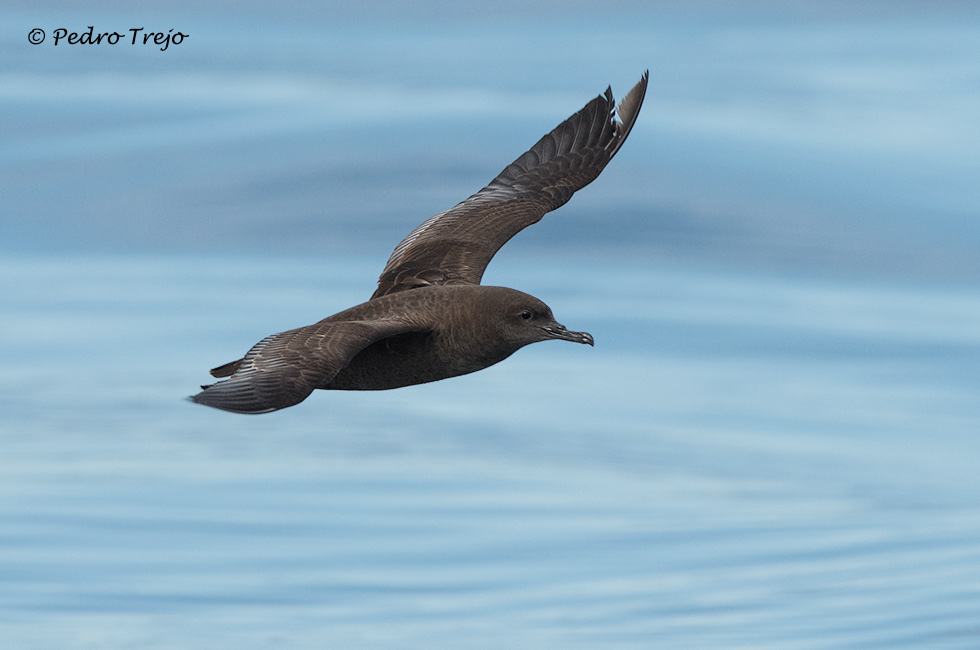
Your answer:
<point x="226" y="370"/>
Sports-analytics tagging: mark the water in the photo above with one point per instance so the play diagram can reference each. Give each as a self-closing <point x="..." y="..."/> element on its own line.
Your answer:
<point x="772" y="445"/>
<point x="740" y="462"/>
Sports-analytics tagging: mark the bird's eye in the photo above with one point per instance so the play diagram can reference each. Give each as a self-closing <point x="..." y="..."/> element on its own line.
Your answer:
<point x="526" y="314"/>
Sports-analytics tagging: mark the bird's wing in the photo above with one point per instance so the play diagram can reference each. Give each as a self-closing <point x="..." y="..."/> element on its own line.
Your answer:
<point x="283" y="369"/>
<point x="455" y="246"/>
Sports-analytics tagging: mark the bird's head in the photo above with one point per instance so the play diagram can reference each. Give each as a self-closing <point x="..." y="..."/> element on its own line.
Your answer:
<point x="523" y="319"/>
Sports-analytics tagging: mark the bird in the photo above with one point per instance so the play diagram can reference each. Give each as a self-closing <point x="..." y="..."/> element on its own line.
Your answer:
<point x="430" y="318"/>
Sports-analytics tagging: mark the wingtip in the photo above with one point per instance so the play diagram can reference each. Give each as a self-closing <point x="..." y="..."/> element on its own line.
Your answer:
<point x="629" y="108"/>
<point x="250" y="394"/>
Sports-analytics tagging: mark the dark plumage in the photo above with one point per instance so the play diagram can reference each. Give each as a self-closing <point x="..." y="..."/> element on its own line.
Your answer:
<point x="430" y="318"/>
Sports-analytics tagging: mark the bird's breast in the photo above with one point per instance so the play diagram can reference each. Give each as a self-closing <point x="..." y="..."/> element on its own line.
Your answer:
<point x="454" y="338"/>
<point x="409" y="359"/>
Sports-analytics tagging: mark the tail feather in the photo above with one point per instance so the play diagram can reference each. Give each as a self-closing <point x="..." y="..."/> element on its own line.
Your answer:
<point x="226" y="370"/>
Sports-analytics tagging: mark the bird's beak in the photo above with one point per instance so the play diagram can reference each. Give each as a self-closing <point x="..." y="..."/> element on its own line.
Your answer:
<point x="560" y="332"/>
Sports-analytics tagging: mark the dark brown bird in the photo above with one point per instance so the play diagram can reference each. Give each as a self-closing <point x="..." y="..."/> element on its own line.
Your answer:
<point x="430" y="318"/>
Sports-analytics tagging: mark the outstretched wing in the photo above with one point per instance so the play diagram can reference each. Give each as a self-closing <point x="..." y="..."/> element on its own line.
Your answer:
<point x="283" y="369"/>
<point x="455" y="246"/>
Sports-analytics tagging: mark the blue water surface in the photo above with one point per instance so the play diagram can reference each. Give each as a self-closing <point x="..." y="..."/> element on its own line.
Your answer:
<point x="773" y="444"/>
<point x="740" y="462"/>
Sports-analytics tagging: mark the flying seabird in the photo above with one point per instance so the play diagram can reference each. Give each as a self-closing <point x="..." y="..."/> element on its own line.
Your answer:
<point x="430" y="318"/>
